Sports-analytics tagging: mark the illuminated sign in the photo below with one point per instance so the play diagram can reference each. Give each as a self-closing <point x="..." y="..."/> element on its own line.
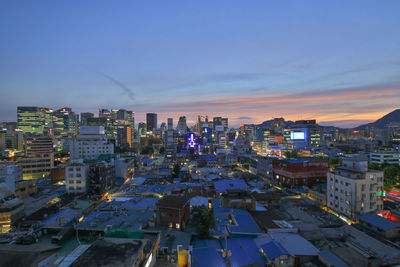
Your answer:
<point x="191" y="140"/>
<point x="149" y="260"/>
<point x="297" y="135"/>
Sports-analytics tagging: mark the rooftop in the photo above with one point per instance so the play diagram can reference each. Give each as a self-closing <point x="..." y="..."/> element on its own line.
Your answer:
<point x="295" y="244"/>
<point x="378" y="221"/>
<point x="238" y="222"/>
<point x="274" y="249"/>
<point x="111" y="252"/>
<point x="224" y="185"/>
<point x="173" y="202"/>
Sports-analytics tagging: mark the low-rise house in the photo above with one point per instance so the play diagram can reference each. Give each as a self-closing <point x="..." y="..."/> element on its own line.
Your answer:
<point x="173" y="211"/>
<point x="379" y="225"/>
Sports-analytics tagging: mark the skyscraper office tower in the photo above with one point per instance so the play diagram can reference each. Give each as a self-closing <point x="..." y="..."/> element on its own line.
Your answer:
<point x="151" y="121"/>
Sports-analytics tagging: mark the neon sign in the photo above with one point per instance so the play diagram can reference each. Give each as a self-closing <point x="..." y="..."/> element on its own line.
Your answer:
<point x="191" y="140"/>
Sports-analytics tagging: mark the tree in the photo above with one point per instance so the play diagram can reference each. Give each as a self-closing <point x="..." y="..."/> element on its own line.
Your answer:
<point x="148" y="150"/>
<point x="204" y="219"/>
<point x="374" y="166"/>
<point x="334" y="162"/>
<point x="391" y="174"/>
<point x="176" y="171"/>
<point x="291" y="154"/>
<point x="162" y="150"/>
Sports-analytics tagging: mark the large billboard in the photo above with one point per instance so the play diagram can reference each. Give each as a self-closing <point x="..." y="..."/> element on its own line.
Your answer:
<point x="297" y="135"/>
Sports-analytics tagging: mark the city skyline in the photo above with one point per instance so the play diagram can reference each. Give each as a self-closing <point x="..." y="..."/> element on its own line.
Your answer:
<point x="334" y="62"/>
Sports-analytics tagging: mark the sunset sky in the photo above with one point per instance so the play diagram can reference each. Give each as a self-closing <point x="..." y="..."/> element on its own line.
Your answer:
<point x="334" y="61"/>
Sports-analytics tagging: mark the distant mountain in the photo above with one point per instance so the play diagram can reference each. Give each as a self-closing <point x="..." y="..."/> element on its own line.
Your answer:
<point x="393" y="116"/>
<point x="269" y="122"/>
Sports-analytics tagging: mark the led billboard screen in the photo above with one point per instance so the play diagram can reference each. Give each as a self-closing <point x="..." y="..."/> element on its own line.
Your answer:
<point x="297" y="136"/>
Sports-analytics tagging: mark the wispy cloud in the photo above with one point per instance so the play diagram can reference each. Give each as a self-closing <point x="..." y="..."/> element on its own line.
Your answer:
<point x="353" y="103"/>
<point x="121" y="85"/>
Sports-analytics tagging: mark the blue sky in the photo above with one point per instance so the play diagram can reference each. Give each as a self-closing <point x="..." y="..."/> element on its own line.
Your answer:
<point x="336" y="61"/>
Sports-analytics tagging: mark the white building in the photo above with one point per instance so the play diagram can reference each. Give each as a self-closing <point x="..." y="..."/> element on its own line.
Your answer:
<point x="385" y="158"/>
<point x="91" y="143"/>
<point x="76" y="178"/>
<point x="352" y="188"/>
<point x="9" y="174"/>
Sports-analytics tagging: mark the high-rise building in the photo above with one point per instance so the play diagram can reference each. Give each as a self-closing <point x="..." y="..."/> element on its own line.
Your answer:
<point x="391" y="134"/>
<point x="217" y="121"/>
<point x="36" y="145"/>
<point x="109" y="125"/>
<point x="124" y="136"/>
<point x="202" y="121"/>
<point x="220" y="136"/>
<point x="182" y="128"/>
<point x="248" y="130"/>
<point x="65" y="122"/>
<point x="85" y="116"/>
<point x="353" y="189"/>
<point x="170" y="146"/>
<point x="39" y="157"/>
<point x="151" y="122"/>
<point x="225" y="123"/>
<point x="105" y="113"/>
<point x="122" y="114"/>
<point x="142" y="129"/>
<point x="34" y="120"/>
<point x="11" y="139"/>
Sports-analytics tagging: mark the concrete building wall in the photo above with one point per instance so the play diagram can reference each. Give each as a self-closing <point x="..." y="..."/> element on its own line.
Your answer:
<point x="352" y="195"/>
<point x="76" y="178"/>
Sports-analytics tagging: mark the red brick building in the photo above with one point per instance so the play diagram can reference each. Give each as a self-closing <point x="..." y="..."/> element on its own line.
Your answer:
<point x="299" y="172"/>
<point x="173" y="211"/>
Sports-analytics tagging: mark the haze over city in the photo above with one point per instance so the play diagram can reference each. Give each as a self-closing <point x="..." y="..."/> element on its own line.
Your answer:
<point x="336" y="62"/>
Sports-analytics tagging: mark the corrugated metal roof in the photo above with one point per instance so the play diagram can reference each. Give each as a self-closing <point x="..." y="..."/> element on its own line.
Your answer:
<point x="274" y="249"/>
<point x="378" y="221"/>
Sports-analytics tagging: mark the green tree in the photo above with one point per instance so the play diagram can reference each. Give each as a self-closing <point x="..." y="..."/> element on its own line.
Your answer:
<point x="204" y="219"/>
<point x="176" y="171"/>
<point x="291" y="154"/>
<point x="334" y="162"/>
<point x="391" y="175"/>
<point x="148" y="150"/>
<point x="162" y="150"/>
<point x="374" y="166"/>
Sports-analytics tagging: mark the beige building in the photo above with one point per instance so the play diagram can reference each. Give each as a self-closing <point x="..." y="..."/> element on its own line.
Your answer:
<point x="39" y="159"/>
<point x="352" y="188"/>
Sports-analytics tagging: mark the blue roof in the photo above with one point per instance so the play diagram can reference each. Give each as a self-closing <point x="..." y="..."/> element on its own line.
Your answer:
<point x="147" y="160"/>
<point x="216" y="203"/>
<point x="207" y="257"/>
<point x="333" y="259"/>
<point x="244" y="252"/>
<point x="301" y="190"/>
<point x="119" y="180"/>
<point x="68" y="216"/>
<point x="378" y="221"/>
<point x="295" y="244"/>
<point x="205" y="253"/>
<point x="223" y="185"/>
<point x="299" y="160"/>
<point x="274" y="249"/>
<point x="245" y="225"/>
